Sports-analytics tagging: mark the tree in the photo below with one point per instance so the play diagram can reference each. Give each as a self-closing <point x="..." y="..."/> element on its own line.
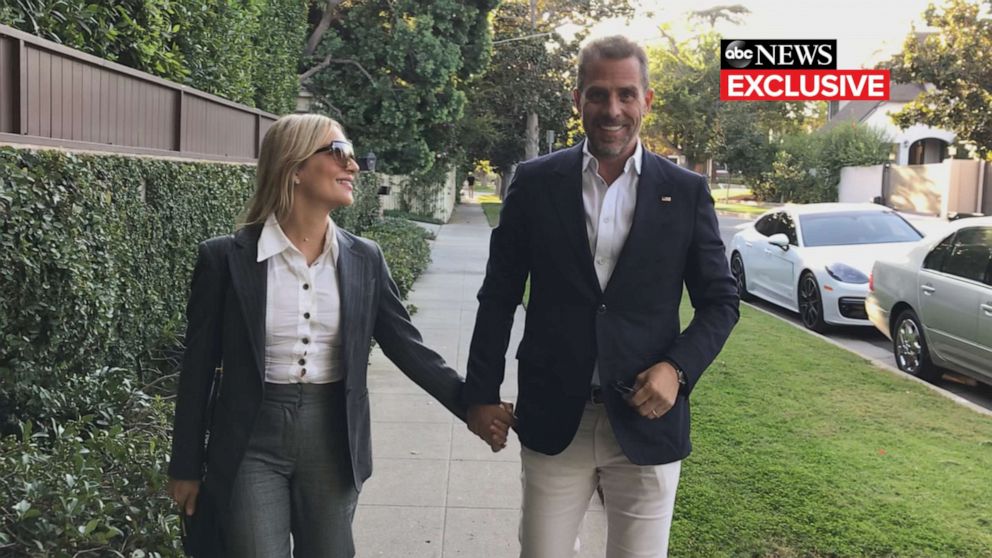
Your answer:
<point x="685" y="76"/>
<point x="954" y="59"/>
<point x="394" y="72"/>
<point x="529" y="80"/>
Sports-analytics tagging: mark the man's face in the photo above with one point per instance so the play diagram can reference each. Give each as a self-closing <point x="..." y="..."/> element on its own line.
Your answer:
<point x="612" y="106"/>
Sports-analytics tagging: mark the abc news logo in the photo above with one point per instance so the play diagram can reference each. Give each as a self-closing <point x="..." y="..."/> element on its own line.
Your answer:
<point x="793" y="70"/>
<point x="779" y="54"/>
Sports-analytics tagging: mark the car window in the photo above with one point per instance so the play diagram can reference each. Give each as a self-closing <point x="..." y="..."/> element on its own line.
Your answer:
<point x="856" y="227"/>
<point x="787" y="226"/>
<point x="766" y="224"/>
<point x="935" y="259"/>
<point x="970" y="253"/>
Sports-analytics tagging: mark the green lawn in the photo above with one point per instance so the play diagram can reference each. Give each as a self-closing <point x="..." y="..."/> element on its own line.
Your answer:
<point x="491" y="210"/>
<point x="804" y="449"/>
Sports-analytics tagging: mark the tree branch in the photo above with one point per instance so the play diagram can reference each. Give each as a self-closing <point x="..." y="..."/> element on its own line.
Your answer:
<point x="328" y="60"/>
<point x="318" y="32"/>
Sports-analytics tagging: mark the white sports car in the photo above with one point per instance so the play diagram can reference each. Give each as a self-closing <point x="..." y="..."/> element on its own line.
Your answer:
<point x="815" y="259"/>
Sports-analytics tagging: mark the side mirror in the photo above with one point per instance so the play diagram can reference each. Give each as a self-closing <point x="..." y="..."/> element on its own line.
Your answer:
<point x="780" y="240"/>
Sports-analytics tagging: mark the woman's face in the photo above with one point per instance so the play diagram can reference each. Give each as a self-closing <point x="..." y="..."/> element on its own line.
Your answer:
<point x="327" y="179"/>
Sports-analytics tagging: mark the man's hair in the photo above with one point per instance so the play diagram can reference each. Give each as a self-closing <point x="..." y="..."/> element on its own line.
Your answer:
<point x="616" y="47"/>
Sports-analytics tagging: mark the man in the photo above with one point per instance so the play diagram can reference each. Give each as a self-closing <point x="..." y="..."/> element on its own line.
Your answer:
<point x="608" y="233"/>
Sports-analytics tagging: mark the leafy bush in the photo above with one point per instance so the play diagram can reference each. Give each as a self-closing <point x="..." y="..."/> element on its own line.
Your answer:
<point x="806" y="168"/>
<point x="404" y="244"/>
<point x="93" y="485"/>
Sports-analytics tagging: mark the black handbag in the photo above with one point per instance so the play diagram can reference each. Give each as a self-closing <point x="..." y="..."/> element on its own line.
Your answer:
<point x="200" y="532"/>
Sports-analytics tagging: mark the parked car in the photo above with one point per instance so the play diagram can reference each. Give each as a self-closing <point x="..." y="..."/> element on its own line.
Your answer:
<point x="815" y="259"/>
<point x="935" y="302"/>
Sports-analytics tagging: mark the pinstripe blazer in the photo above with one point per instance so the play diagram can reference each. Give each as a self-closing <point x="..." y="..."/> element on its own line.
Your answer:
<point x="226" y="324"/>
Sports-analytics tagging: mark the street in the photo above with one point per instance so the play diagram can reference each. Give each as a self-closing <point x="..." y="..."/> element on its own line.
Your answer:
<point x="866" y="341"/>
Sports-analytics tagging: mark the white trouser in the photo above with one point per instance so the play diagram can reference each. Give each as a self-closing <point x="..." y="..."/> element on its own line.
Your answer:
<point x="639" y="500"/>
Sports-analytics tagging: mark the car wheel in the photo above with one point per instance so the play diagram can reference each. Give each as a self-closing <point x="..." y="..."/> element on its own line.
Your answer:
<point x="909" y="346"/>
<point x="811" y="303"/>
<point x="737" y="269"/>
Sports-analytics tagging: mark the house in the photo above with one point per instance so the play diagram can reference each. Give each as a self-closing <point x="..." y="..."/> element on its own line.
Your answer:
<point x="916" y="145"/>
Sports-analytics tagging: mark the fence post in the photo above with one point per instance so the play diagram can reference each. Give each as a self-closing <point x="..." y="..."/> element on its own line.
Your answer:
<point x="22" y="101"/>
<point x="181" y="124"/>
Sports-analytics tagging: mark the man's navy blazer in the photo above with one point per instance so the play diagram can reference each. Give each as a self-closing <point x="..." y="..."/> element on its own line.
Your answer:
<point x="572" y="324"/>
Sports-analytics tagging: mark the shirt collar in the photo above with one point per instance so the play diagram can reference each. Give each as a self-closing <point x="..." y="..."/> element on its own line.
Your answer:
<point x="591" y="163"/>
<point x="274" y="241"/>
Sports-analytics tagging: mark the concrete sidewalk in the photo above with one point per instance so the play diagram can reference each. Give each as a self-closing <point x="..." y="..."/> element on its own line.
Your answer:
<point x="438" y="491"/>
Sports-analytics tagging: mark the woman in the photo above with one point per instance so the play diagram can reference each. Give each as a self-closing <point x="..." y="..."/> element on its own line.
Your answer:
<point x="288" y="305"/>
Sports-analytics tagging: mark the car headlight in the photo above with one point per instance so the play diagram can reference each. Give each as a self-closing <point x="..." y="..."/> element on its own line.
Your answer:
<point x="846" y="274"/>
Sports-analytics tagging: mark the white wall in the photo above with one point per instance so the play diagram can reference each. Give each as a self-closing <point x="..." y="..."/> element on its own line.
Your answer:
<point x="440" y="207"/>
<point x="860" y="184"/>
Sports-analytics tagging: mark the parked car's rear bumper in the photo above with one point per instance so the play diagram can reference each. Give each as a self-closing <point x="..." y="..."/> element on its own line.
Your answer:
<point x="878" y="314"/>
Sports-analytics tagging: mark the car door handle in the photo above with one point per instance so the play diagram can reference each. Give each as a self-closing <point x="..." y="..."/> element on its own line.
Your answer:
<point x="768" y="250"/>
<point x="928" y="290"/>
<point x="987" y="308"/>
<point x="748" y="244"/>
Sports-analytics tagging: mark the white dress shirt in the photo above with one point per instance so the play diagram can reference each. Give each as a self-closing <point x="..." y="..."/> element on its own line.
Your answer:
<point x="302" y="310"/>
<point x="609" y="213"/>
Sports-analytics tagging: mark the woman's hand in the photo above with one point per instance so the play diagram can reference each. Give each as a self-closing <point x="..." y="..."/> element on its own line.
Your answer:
<point x="184" y="493"/>
<point x="491" y="423"/>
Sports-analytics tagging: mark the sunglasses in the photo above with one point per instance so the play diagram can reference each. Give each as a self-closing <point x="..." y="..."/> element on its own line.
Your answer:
<point x="342" y="150"/>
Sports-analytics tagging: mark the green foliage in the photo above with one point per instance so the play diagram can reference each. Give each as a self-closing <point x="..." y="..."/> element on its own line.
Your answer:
<point x="247" y="51"/>
<point x="420" y="190"/>
<point x="686" y="82"/>
<point x="953" y="58"/>
<point x="404" y="244"/>
<point x="93" y="275"/>
<point x="361" y="215"/>
<point x="395" y="75"/>
<point x="93" y="484"/>
<point x="277" y="52"/>
<point x="806" y="169"/>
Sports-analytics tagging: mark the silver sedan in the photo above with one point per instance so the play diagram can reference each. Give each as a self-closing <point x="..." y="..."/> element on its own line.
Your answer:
<point x="935" y="302"/>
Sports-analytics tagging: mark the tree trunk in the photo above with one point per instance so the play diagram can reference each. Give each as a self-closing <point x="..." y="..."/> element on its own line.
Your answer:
<point x="532" y="141"/>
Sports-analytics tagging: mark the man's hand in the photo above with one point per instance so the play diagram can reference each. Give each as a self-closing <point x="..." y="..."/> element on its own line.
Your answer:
<point x="491" y="423"/>
<point x="184" y="493"/>
<point x="655" y="390"/>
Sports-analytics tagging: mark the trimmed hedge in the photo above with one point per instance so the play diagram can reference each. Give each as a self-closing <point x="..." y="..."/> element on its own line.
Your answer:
<point x="95" y="257"/>
<point x="404" y="245"/>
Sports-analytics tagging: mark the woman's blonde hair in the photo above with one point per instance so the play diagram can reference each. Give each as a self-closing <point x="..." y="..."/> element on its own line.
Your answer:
<point x="290" y="141"/>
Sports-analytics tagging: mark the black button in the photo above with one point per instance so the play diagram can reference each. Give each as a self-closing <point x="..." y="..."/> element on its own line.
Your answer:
<point x="601" y="309"/>
<point x="306" y="340"/>
<point x="306" y="286"/>
<point x="303" y="372"/>
<point x="302" y="361"/>
<point x="306" y="315"/>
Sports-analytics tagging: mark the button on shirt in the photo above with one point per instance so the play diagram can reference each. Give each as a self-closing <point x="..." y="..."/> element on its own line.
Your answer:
<point x="302" y="310"/>
<point x="609" y="213"/>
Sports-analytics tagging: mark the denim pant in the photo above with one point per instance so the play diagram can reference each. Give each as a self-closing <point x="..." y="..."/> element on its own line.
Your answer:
<point x="295" y="477"/>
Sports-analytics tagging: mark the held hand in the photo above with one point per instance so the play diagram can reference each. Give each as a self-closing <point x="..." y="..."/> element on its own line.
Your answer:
<point x="184" y="493"/>
<point x="655" y="391"/>
<point x="491" y="423"/>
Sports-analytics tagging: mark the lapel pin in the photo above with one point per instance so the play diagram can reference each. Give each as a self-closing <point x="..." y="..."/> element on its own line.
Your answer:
<point x="666" y="199"/>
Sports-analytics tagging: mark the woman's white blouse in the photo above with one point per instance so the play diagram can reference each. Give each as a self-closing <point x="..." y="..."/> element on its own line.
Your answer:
<point x="302" y="310"/>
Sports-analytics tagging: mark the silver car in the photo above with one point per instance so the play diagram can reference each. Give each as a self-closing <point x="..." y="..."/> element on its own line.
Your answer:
<point x="935" y="302"/>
